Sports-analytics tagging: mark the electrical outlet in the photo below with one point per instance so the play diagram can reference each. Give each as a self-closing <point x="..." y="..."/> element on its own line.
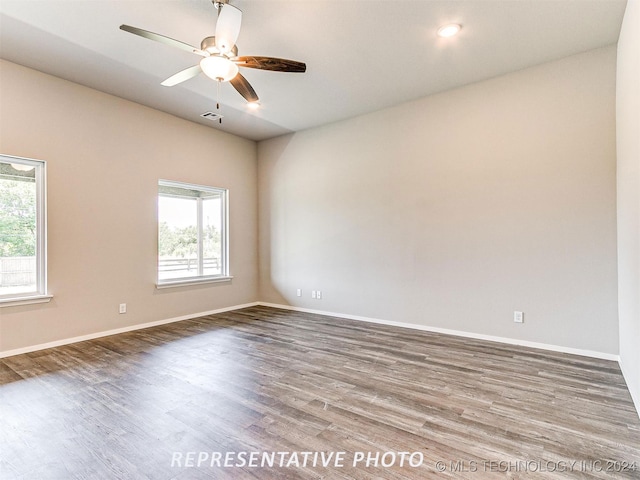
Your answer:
<point x="518" y="317"/>
<point x="123" y="308"/>
<point x="299" y="292"/>
<point x="318" y="295"/>
<point x="313" y="294"/>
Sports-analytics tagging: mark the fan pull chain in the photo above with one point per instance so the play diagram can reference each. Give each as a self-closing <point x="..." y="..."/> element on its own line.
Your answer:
<point x="218" y="102"/>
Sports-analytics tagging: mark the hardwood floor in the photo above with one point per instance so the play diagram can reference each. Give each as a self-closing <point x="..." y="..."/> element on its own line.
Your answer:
<point x="154" y="403"/>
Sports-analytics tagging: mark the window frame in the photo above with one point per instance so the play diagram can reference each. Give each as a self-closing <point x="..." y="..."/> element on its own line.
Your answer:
<point x="224" y="275"/>
<point x="40" y="295"/>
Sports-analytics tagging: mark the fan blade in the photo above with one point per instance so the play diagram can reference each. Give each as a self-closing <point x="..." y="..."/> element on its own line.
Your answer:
<point x="162" y="39"/>
<point x="182" y="76"/>
<point x="273" y="64"/>
<point x="244" y="88"/>
<point x="227" y="27"/>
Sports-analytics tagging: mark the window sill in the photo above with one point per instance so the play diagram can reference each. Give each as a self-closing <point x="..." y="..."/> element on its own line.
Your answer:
<point x="26" y="300"/>
<point x="192" y="281"/>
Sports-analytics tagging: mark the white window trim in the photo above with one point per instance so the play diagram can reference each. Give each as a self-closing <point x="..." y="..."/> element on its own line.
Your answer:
<point x="225" y="276"/>
<point x="26" y="300"/>
<point x="40" y="295"/>
<point x="185" y="282"/>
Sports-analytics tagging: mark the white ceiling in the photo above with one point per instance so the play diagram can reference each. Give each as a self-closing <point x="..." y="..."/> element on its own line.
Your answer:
<point x="361" y="55"/>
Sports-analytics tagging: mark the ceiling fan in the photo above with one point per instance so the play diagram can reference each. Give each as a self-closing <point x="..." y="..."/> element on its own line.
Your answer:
<point x="220" y="60"/>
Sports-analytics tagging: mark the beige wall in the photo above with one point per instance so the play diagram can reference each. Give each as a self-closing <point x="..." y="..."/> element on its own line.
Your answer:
<point x="450" y="211"/>
<point x="104" y="158"/>
<point x="628" y="149"/>
<point x="457" y="209"/>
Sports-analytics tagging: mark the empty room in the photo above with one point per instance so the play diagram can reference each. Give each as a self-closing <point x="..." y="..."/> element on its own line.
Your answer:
<point x="319" y="239"/>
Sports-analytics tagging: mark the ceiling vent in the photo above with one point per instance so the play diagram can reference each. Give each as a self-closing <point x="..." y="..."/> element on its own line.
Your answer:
<point x="212" y="116"/>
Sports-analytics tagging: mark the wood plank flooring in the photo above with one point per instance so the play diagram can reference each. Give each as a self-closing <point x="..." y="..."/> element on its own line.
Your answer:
<point x="155" y="403"/>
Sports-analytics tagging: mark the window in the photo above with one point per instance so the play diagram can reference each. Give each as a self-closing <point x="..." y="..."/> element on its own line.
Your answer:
<point x="192" y="234"/>
<point x="23" y="276"/>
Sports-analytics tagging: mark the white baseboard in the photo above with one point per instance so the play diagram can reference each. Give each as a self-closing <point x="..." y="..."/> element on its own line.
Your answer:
<point x="91" y="336"/>
<point x="459" y="333"/>
<point x="635" y="395"/>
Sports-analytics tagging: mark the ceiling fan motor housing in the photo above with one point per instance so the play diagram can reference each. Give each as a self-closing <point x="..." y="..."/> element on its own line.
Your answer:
<point x="208" y="44"/>
<point x="219" y="3"/>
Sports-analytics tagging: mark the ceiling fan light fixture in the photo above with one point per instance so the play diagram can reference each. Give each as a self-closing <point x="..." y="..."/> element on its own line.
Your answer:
<point x="253" y="105"/>
<point x="450" y="30"/>
<point x="218" y="68"/>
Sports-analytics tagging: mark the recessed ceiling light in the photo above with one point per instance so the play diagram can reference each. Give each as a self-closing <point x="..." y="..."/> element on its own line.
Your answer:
<point x="449" y="30"/>
<point x="253" y="105"/>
